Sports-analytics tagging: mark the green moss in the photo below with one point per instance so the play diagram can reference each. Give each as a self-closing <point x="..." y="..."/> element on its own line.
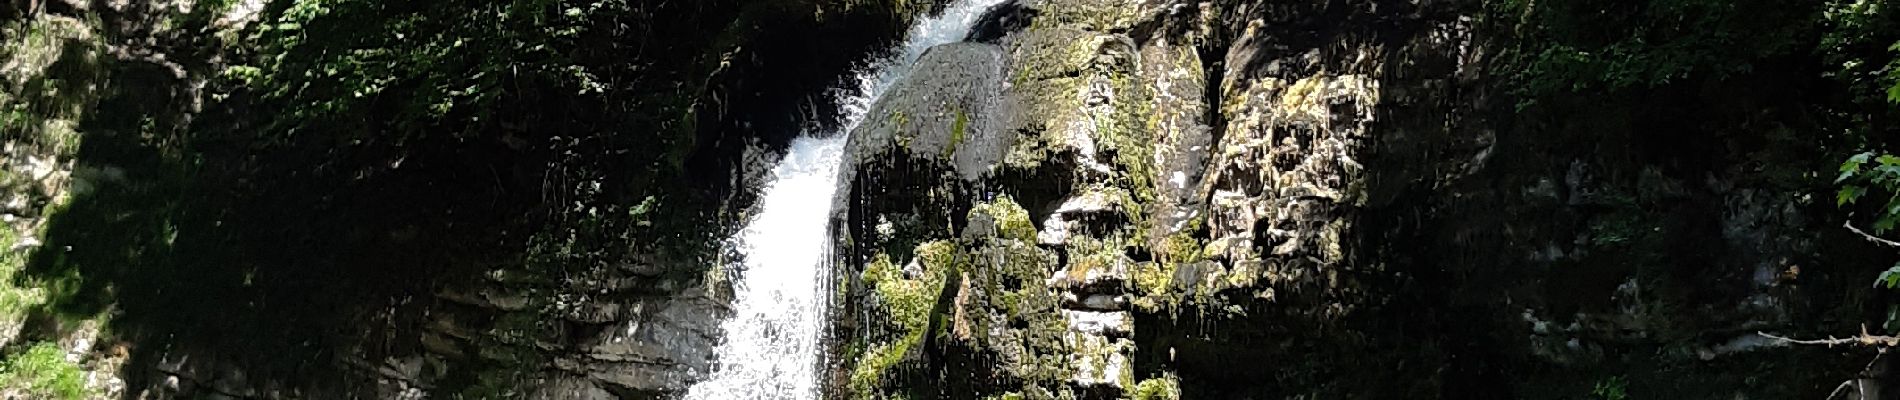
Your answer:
<point x="43" y="372"/>
<point x="1090" y="254"/>
<point x="47" y="68"/>
<point x="957" y="130"/>
<point x="1012" y="221"/>
<point x="910" y="303"/>
<point x="1152" y="281"/>
<point x="908" y="300"/>
<point x="1182" y="247"/>
<point x="1048" y="54"/>
<point x="1127" y="132"/>
<point x="868" y="374"/>
<point x="14" y="300"/>
<point x="1163" y="388"/>
<point x="1007" y="396"/>
<point x="1053" y="110"/>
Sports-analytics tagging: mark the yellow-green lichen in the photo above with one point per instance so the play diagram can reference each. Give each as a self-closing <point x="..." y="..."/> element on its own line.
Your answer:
<point x="910" y="303"/>
<point x="1093" y="15"/>
<point x="909" y="300"/>
<point x="1182" y="247"/>
<point x="868" y="374"/>
<point x="958" y="129"/>
<point x="1012" y="221"/>
<point x="1044" y="54"/>
<point x="1163" y="388"/>
<point x="1126" y="132"/>
<point x="1088" y="254"/>
<point x="1152" y="282"/>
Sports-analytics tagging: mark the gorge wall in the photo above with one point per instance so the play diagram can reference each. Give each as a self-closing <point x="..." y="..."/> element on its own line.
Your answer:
<point x="1329" y="199"/>
<point x="1084" y="199"/>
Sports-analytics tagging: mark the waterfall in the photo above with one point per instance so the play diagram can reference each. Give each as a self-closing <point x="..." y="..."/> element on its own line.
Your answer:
<point x="771" y="348"/>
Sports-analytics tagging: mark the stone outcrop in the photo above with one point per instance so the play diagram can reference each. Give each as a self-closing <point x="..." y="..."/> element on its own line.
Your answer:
<point x="1336" y="186"/>
<point x="1038" y="311"/>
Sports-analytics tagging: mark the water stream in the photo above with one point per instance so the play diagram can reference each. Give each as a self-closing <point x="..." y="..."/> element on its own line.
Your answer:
<point x="772" y="348"/>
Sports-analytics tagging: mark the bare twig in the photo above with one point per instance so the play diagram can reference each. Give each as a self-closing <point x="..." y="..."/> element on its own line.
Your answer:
<point x="1870" y="238"/>
<point x="1838" y="390"/>
<point x="1864" y="339"/>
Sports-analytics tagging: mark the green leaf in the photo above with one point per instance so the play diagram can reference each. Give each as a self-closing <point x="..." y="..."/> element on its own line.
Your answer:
<point x="1893" y="317"/>
<point x="1849" y="194"/>
<point x="1889" y="278"/>
<point x="1859" y="159"/>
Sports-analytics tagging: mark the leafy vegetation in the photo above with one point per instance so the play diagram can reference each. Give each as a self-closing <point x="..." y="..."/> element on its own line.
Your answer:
<point x="1583" y="45"/>
<point x="1612" y="388"/>
<point x="1881" y="173"/>
<point x="256" y="183"/>
<point x="42" y="372"/>
<point x="1865" y="45"/>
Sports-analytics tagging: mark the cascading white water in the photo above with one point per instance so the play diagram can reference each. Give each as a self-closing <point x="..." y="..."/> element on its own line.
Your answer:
<point x="771" y="348"/>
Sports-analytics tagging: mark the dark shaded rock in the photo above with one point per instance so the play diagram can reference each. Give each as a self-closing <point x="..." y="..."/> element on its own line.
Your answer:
<point x="999" y="21"/>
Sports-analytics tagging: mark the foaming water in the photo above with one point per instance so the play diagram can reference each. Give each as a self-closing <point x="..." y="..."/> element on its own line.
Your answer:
<point x="771" y="348"/>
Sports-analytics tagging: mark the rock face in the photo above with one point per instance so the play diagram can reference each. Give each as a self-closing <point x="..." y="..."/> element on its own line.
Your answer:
<point x="170" y="246"/>
<point x="1249" y="199"/>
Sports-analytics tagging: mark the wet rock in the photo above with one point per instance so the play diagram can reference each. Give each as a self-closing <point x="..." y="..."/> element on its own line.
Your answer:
<point x="1100" y="363"/>
<point x="1001" y="20"/>
<point x="943" y="110"/>
<point x="1106" y="324"/>
<point x="1096" y="302"/>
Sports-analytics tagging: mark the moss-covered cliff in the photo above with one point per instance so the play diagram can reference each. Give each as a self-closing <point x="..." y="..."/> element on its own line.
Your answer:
<point x="1086" y="199"/>
<point x="1365" y="199"/>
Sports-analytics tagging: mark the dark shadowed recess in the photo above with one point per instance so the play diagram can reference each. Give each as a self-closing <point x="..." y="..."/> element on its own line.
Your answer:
<point x="219" y="232"/>
<point x="1446" y="251"/>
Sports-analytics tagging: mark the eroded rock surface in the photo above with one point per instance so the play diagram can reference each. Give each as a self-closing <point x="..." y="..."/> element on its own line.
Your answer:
<point x="1334" y="185"/>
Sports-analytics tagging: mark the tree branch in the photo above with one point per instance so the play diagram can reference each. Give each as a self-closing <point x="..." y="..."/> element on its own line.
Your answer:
<point x="1870" y="238"/>
<point x="1864" y="339"/>
<point x="1840" y="389"/>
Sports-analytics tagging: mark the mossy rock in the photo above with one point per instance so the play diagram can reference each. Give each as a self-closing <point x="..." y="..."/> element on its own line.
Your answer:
<point x="942" y="111"/>
<point x="1094" y="15"/>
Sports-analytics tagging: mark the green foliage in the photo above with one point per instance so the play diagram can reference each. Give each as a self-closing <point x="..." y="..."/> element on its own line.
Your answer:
<point x="1580" y="45"/>
<point x="604" y="89"/>
<point x="15" y="299"/>
<point x="1867" y="173"/>
<point x="1860" y="43"/>
<point x="1614" y="388"/>
<point x="1889" y="279"/>
<point x="338" y="59"/>
<point x="43" y="372"/>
